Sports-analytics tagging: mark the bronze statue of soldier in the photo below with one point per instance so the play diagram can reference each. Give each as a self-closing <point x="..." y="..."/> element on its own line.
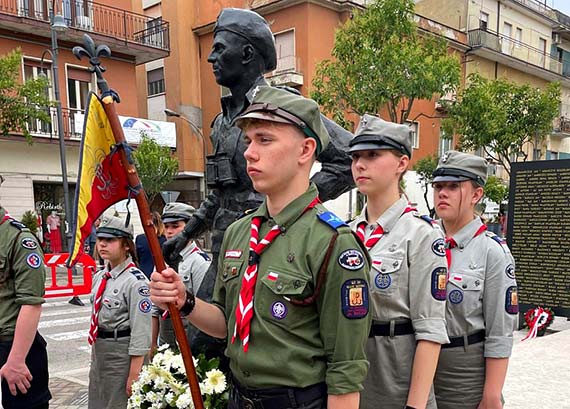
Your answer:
<point x="242" y="52"/>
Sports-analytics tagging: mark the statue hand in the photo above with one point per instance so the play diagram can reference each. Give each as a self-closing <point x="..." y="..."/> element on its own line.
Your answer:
<point x="172" y="247"/>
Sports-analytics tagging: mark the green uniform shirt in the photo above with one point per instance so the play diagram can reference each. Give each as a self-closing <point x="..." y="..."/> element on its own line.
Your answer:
<point x="290" y="345"/>
<point x="22" y="271"/>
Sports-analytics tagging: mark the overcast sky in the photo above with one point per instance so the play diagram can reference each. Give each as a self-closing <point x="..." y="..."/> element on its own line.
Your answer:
<point x="562" y="5"/>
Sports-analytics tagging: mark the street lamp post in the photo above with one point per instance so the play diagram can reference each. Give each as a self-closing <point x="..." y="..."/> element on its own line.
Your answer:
<point x="171" y="113"/>
<point x="57" y="24"/>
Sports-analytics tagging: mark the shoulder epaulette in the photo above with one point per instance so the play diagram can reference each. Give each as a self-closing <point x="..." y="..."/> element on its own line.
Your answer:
<point x="331" y="219"/>
<point x="425" y="218"/>
<point x="498" y="239"/>
<point x="204" y="255"/>
<point x="18" y="225"/>
<point x="137" y="273"/>
<point x="247" y="212"/>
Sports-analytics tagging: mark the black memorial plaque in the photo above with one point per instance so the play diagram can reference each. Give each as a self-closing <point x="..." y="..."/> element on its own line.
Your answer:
<point x="538" y="233"/>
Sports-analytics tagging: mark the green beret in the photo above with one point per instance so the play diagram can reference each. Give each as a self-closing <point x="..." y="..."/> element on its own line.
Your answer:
<point x="278" y="105"/>
<point x="457" y="166"/>
<point x="254" y="28"/>
<point x="112" y="227"/>
<point x="176" y="211"/>
<point x="375" y="133"/>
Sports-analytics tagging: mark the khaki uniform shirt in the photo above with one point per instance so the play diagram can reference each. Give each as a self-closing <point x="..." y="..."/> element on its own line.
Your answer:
<point x="482" y="290"/>
<point x="22" y="272"/>
<point x="126" y="304"/>
<point x="298" y="346"/>
<point x="409" y="269"/>
<point x="193" y="267"/>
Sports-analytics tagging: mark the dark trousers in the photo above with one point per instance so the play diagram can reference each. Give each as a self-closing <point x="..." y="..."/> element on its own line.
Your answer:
<point x="311" y="397"/>
<point x="38" y="395"/>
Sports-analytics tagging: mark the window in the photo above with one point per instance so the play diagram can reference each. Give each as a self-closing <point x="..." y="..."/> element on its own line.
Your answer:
<point x="153" y="35"/>
<point x="542" y="48"/>
<point x="506" y="40"/>
<point x="518" y="37"/>
<point x="445" y="142"/>
<point x="285" y="47"/>
<point x="79" y="83"/>
<point x="554" y="155"/>
<point x="155" y="81"/>
<point x="32" y="70"/>
<point x="483" y="21"/>
<point x="415" y="127"/>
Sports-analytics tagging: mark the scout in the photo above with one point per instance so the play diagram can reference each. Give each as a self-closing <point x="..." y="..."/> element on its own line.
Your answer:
<point x="192" y="269"/>
<point x="408" y="274"/>
<point x="481" y="293"/>
<point x="294" y="309"/>
<point x="120" y="330"/>
<point x="23" y="355"/>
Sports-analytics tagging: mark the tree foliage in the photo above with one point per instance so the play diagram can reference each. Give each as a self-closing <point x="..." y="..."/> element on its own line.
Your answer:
<point x="496" y="190"/>
<point x="500" y="117"/>
<point x="425" y="168"/>
<point x="20" y="102"/>
<point x="380" y="59"/>
<point x="155" y="165"/>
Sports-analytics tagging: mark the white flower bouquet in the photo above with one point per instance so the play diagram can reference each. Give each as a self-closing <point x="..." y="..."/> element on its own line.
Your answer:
<point x="162" y="384"/>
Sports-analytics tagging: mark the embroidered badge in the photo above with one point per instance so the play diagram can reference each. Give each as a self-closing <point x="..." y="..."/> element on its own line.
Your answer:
<point x="383" y="281"/>
<point x="29" y="243"/>
<point x="278" y="310"/>
<point x="438" y="247"/>
<point x="34" y="260"/>
<point x="145" y="305"/>
<point x="272" y="276"/>
<point x="445" y="157"/>
<point x="439" y="283"/>
<point x="233" y="254"/>
<point x="456" y="296"/>
<point x="510" y="271"/>
<point x="351" y="259"/>
<point x="512" y="300"/>
<point x="354" y="299"/>
<point x="144" y="291"/>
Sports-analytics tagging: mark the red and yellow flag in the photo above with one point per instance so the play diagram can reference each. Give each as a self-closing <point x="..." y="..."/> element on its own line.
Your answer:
<point x="102" y="179"/>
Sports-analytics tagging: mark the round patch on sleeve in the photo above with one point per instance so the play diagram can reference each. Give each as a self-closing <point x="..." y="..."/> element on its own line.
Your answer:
<point x="456" y="296"/>
<point x="354" y="299"/>
<point x="438" y="247"/>
<point x="34" y="260"/>
<point x="351" y="259"/>
<point x="510" y="271"/>
<point x="144" y="291"/>
<point x="29" y="243"/>
<point x="512" y="300"/>
<point x="145" y="305"/>
<point x="439" y="283"/>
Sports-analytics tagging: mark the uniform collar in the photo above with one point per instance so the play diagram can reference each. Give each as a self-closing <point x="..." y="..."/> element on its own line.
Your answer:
<point x="292" y="211"/>
<point x="467" y="232"/>
<point x="390" y="217"/>
<point x="188" y="249"/>
<point x="260" y="82"/>
<point x="117" y="271"/>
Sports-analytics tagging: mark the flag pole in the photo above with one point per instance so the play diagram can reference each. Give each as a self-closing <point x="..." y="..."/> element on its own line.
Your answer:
<point x="109" y="98"/>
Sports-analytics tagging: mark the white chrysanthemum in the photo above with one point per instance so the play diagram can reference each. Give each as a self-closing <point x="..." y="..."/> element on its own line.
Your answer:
<point x="184" y="401"/>
<point x="217" y="379"/>
<point x="195" y="361"/>
<point x="206" y="388"/>
<point x="169" y="398"/>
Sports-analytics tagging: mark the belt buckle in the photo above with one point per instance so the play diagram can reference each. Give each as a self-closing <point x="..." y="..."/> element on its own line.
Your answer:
<point x="247" y="403"/>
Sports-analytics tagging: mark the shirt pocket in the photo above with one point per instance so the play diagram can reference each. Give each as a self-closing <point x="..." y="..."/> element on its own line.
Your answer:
<point x="279" y="286"/>
<point x="386" y="271"/>
<point x="231" y="269"/>
<point x="465" y="291"/>
<point x="111" y="309"/>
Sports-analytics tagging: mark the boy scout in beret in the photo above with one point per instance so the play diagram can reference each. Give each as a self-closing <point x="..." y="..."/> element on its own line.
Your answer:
<point x="120" y="329"/>
<point x="291" y="295"/>
<point x="408" y="274"/>
<point x="23" y="355"/>
<point x="482" y="303"/>
<point x="192" y="269"/>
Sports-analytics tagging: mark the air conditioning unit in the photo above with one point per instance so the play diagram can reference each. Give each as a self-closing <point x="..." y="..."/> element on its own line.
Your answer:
<point x="556" y="38"/>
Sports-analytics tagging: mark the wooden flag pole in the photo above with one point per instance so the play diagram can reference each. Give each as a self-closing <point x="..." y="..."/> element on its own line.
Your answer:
<point x="109" y="98"/>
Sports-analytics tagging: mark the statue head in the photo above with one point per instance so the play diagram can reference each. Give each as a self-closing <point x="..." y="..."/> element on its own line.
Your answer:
<point x="243" y="46"/>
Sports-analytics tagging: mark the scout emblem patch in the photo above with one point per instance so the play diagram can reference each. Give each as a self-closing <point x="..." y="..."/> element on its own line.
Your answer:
<point x="145" y="305"/>
<point x="439" y="283"/>
<point x="510" y="271"/>
<point x="383" y="281"/>
<point x="512" y="300"/>
<point x="351" y="259"/>
<point x="456" y="296"/>
<point x="354" y="299"/>
<point x="29" y="243"/>
<point x="144" y="291"/>
<point x="233" y="254"/>
<point x="438" y="247"/>
<point x="34" y="260"/>
<point x="278" y="310"/>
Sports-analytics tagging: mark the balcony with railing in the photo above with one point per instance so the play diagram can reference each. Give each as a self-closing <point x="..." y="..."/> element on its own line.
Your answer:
<point x="561" y="125"/>
<point x="142" y="37"/>
<point x="71" y="132"/>
<point x="514" y="53"/>
<point x="288" y="72"/>
<point x="538" y="7"/>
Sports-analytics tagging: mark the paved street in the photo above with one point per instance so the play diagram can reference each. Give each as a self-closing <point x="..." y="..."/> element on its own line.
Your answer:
<point x="538" y="372"/>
